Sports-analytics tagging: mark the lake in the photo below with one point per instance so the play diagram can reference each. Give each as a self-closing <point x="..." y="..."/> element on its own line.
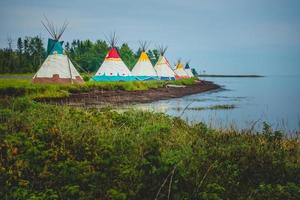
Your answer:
<point x="251" y="101"/>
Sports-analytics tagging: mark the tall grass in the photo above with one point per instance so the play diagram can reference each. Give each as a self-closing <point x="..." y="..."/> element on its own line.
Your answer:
<point x="58" y="152"/>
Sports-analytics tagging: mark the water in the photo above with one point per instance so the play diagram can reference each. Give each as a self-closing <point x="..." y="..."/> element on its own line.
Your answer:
<point x="273" y="99"/>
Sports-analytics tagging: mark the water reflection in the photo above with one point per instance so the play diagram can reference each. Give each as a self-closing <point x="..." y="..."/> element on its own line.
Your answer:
<point x="253" y="100"/>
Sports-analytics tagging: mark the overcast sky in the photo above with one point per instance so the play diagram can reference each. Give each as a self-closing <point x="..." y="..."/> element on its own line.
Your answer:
<point x="219" y="36"/>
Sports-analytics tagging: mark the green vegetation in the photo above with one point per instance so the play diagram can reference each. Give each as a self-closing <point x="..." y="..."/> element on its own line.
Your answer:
<point x="214" y="107"/>
<point x="58" y="152"/>
<point x="222" y="107"/>
<point x="202" y="99"/>
<point x="27" y="57"/>
<point x="30" y="54"/>
<point x="23" y="87"/>
<point x="17" y="76"/>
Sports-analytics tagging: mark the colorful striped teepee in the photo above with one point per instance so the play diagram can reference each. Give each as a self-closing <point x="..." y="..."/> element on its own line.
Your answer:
<point x="143" y="69"/>
<point x="179" y="71"/>
<point x="113" y="68"/>
<point x="162" y="67"/>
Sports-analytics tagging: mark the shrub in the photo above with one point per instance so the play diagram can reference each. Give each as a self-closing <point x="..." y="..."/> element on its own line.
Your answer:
<point x="51" y="152"/>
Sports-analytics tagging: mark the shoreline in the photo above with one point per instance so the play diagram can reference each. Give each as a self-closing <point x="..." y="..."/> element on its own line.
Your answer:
<point x="122" y="97"/>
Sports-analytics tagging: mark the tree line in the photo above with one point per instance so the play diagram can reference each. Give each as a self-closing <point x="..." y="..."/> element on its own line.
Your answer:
<point x="27" y="57"/>
<point x="86" y="55"/>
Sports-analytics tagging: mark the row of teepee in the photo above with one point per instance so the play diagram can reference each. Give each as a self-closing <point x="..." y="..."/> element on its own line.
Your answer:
<point x="58" y="68"/>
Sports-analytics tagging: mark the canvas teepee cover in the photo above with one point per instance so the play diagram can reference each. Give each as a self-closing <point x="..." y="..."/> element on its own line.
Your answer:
<point x="57" y="68"/>
<point x="162" y="67"/>
<point x="188" y="70"/>
<point x="113" y="68"/>
<point x="143" y="69"/>
<point x="179" y="71"/>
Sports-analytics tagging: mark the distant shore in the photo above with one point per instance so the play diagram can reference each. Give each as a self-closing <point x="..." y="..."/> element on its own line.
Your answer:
<point x="231" y="76"/>
<point x="122" y="97"/>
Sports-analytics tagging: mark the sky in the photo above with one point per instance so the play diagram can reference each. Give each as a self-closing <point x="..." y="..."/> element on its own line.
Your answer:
<point x="217" y="36"/>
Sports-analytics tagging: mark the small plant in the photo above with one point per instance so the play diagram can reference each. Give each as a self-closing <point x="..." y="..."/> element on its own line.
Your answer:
<point x="86" y="78"/>
<point x="222" y="107"/>
<point x="270" y="134"/>
<point x="215" y="107"/>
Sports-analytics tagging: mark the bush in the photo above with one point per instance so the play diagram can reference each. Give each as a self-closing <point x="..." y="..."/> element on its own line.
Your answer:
<point x="86" y="78"/>
<point x="51" y="152"/>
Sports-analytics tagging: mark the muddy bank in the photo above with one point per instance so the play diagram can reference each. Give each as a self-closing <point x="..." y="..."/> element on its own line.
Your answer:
<point x="121" y="97"/>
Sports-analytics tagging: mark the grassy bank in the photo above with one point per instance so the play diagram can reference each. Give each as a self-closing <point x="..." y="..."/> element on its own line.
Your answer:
<point x="23" y="87"/>
<point x="57" y="152"/>
<point x="19" y="76"/>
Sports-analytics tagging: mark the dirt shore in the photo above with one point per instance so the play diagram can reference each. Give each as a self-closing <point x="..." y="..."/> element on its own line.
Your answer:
<point x="121" y="97"/>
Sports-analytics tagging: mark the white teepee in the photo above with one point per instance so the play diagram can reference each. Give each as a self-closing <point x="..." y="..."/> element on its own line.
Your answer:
<point x="113" y="68"/>
<point x="163" y="68"/>
<point x="57" y="68"/>
<point x="179" y="71"/>
<point x="143" y="69"/>
<point x="188" y="70"/>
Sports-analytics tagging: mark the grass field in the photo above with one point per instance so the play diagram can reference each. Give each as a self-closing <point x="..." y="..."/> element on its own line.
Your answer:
<point x="21" y="87"/>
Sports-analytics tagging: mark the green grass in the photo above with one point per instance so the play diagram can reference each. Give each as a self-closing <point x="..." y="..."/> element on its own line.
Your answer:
<point x="222" y="107"/>
<point x="16" y="75"/>
<point x="22" y="87"/>
<point x="59" y="152"/>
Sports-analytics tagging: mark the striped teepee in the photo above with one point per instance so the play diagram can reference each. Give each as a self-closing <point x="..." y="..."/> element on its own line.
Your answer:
<point x="162" y="67"/>
<point x="113" y="68"/>
<point x="143" y="69"/>
<point x="179" y="71"/>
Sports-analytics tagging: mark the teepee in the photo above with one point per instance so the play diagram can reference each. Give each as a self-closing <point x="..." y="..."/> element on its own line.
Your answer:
<point x="188" y="70"/>
<point x="162" y="67"/>
<point x="113" y="68"/>
<point x="57" y="68"/>
<point x="143" y="69"/>
<point x="179" y="71"/>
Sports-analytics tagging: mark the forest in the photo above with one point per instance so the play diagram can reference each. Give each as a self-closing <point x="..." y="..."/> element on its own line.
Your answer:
<point x="86" y="55"/>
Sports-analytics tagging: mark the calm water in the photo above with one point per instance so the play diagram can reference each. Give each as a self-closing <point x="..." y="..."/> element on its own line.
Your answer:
<point x="274" y="99"/>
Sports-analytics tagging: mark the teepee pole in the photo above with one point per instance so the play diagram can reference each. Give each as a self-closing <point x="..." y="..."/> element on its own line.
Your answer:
<point x="71" y="77"/>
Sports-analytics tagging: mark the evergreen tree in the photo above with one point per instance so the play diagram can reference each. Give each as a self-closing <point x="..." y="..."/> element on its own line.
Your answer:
<point x="20" y="51"/>
<point x="67" y="46"/>
<point x="20" y="46"/>
<point x="194" y="72"/>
